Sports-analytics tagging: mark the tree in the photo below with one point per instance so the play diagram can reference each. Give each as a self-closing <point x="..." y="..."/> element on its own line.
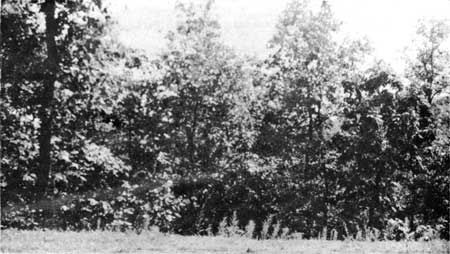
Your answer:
<point x="49" y="100"/>
<point x="303" y="93"/>
<point x="21" y="75"/>
<point x="429" y="74"/>
<point x="366" y="159"/>
<point x="204" y="92"/>
<point x="429" y="69"/>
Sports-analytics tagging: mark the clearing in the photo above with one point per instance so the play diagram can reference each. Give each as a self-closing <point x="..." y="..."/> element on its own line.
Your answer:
<point x="14" y="241"/>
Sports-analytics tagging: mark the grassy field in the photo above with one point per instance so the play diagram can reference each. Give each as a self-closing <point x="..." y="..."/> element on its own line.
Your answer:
<point x="13" y="241"/>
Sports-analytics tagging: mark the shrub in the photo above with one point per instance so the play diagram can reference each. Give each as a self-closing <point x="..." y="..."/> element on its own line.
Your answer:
<point x="123" y="208"/>
<point x="397" y="229"/>
<point x="427" y="232"/>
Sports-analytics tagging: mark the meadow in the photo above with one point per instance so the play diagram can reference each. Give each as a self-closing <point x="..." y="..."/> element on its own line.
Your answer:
<point x="14" y="241"/>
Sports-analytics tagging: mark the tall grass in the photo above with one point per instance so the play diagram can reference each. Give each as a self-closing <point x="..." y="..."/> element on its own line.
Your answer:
<point x="266" y="226"/>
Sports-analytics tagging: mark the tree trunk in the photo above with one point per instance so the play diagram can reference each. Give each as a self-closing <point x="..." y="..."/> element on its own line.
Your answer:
<point x="309" y="145"/>
<point x="46" y="99"/>
<point x="322" y="163"/>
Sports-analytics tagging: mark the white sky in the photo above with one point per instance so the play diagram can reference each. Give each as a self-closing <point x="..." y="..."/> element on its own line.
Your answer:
<point x="247" y="25"/>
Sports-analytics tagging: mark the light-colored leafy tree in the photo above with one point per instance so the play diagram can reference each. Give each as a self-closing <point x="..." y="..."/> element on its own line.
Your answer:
<point x="304" y="92"/>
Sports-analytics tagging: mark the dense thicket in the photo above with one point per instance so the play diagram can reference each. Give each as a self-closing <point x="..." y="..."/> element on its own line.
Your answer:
<point x="97" y="135"/>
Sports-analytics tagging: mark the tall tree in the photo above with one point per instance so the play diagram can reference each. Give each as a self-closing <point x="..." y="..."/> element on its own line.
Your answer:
<point x="303" y="91"/>
<point x="22" y="72"/>
<point x="49" y="91"/>
<point x="368" y="172"/>
<point x="202" y="85"/>
<point x="429" y="74"/>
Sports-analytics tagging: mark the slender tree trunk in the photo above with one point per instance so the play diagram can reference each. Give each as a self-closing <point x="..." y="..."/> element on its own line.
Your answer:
<point x="375" y="206"/>
<point x="310" y="132"/>
<point x="190" y="135"/>
<point x="322" y="166"/>
<point x="46" y="99"/>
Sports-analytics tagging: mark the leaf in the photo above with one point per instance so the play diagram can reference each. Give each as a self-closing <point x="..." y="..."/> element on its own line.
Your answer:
<point x="92" y="201"/>
<point x="65" y="156"/>
<point x="29" y="177"/>
<point x="59" y="177"/>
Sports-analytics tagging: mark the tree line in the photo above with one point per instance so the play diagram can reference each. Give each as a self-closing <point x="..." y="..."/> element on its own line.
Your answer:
<point x="97" y="135"/>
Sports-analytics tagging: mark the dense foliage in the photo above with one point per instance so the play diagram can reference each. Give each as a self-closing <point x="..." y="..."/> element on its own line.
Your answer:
<point x="95" y="135"/>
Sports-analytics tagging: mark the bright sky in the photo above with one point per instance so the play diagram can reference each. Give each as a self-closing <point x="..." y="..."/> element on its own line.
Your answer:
<point x="247" y="25"/>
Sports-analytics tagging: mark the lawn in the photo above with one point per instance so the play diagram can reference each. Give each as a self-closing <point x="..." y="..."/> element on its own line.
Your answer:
<point x="13" y="241"/>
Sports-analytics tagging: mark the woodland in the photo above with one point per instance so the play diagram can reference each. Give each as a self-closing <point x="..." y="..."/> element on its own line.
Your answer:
<point x="314" y="138"/>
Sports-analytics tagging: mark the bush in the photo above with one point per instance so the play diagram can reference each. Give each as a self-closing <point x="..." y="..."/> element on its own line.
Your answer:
<point x="120" y="209"/>
<point x="397" y="229"/>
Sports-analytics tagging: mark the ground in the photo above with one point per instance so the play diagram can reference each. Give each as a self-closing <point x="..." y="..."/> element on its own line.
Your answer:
<point x="13" y="241"/>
